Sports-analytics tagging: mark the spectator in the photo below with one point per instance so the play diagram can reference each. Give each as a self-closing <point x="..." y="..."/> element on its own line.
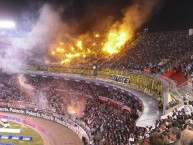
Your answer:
<point x="131" y="139"/>
<point x="186" y="108"/>
<point x="174" y="136"/>
<point x="186" y="97"/>
<point x="157" y="138"/>
<point x="187" y="136"/>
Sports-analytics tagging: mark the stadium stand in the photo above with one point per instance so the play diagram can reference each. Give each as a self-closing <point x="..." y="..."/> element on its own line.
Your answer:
<point x="108" y="124"/>
<point x="159" y="51"/>
<point x="106" y="121"/>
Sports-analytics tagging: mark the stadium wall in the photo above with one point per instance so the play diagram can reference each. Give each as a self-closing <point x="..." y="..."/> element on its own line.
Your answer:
<point x="152" y="85"/>
<point x="139" y="81"/>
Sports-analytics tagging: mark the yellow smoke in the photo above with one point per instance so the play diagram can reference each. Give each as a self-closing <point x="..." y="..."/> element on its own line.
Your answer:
<point x="94" y="44"/>
<point x="134" y="17"/>
<point x="116" y="39"/>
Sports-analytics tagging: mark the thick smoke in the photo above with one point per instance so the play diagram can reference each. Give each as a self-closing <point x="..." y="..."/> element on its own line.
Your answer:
<point x="42" y="100"/>
<point x="33" y="46"/>
<point x="35" y="94"/>
<point x="50" y="28"/>
<point x="136" y="15"/>
<point x="123" y="31"/>
<point x="25" y="87"/>
<point x="139" y="13"/>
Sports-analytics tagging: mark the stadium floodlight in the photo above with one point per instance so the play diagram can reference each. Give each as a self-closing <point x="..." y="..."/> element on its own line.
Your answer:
<point x="7" y="24"/>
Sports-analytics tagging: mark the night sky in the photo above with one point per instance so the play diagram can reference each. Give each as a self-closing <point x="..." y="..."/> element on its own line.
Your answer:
<point x="171" y="14"/>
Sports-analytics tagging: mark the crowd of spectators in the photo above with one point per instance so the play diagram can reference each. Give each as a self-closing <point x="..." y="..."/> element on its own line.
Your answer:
<point x="187" y="67"/>
<point x="8" y="92"/>
<point x="156" y="50"/>
<point x="175" y="129"/>
<point x="108" y="125"/>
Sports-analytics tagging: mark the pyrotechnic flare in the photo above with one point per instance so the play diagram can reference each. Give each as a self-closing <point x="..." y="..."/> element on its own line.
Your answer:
<point x="79" y="45"/>
<point x="121" y="32"/>
<point x="100" y="45"/>
<point x="77" y="105"/>
<point x="116" y="39"/>
<point x="72" y="110"/>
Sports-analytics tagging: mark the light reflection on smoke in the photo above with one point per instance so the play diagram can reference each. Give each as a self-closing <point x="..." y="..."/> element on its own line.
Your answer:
<point x="77" y="106"/>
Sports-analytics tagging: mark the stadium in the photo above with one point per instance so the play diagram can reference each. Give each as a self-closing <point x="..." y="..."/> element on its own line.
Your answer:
<point x="122" y="85"/>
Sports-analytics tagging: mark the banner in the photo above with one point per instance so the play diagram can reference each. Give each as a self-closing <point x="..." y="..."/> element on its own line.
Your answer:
<point x="116" y="102"/>
<point x="103" y="99"/>
<point x="24" y="138"/>
<point x="142" y="83"/>
<point x="120" y="79"/>
<point x="147" y="70"/>
<point x="128" y="109"/>
<point x="6" y="144"/>
<point x="10" y="130"/>
<point x="138" y="81"/>
<point x="67" y="123"/>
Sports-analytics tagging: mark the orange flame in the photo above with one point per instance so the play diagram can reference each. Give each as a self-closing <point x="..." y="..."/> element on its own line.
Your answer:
<point x="72" y="110"/>
<point x="116" y="40"/>
<point x="79" y="44"/>
<point x="90" y="45"/>
<point x="96" y="35"/>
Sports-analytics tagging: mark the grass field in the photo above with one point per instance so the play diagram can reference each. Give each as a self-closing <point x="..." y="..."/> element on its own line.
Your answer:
<point x="25" y="131"/>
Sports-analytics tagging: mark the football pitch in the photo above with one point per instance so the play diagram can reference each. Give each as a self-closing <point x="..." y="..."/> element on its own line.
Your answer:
<point x="25" y="131"/>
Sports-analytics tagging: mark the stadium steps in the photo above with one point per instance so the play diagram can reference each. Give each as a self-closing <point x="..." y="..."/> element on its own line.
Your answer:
<point x="178" y="77"/>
